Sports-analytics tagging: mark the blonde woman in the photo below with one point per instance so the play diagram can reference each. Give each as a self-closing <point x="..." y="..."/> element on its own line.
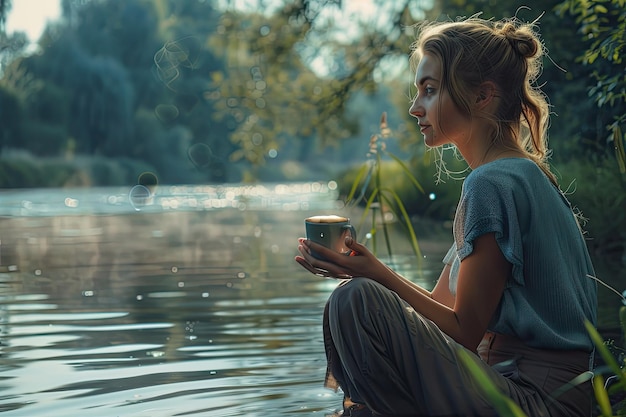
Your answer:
<point x="515" y="289"/>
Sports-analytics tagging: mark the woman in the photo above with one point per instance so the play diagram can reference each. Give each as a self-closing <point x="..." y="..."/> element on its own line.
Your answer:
<point x="515" y="290"/>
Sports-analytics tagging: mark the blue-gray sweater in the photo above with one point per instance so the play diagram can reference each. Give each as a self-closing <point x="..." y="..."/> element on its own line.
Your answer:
<point x="550" y="293"/>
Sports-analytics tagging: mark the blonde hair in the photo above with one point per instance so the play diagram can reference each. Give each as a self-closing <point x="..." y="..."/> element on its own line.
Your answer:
<point x="507" y="53"/>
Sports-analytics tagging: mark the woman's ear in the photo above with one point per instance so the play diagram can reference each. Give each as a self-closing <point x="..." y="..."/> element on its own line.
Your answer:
<point x="485" y="94"/>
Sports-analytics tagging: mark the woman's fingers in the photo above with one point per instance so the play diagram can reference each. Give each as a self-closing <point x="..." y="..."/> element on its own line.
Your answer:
<point x="303" y="262"/>
<point x="333" y="267"/>
<point x="321" y="268"/>
<point x="356" y="246"/>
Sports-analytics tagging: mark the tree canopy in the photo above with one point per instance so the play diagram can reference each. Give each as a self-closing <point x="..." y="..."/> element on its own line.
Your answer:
<point x="202" y="91"/>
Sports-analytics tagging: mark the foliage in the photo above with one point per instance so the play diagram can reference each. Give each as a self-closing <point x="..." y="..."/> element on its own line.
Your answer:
<point x="437" y="201"/>
<point x="598" y="191"/>
<point x="602" y="25"/>
<point x="241" y="82"/>
<point x="380" y="195"/>
<point x="22" y="171"/>
<point x="261" y="91"/>
<point x="607" y="395"/>
<point x="10" y="118"/>
<point x="149" y="80"/>
<point x="504" y="406"/>
<point x="270" y="90"/>
<point x="576" y="124"/>
<point x="5" y="7"/>
<point x="616" y="371"/>
<point x="19" y="169"/>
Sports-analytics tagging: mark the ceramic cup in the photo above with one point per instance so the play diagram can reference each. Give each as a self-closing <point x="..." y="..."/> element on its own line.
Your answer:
<point x="330" y="231"/>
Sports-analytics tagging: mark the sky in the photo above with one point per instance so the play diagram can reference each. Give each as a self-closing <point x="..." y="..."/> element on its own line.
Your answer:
<point x="30" y="16"/>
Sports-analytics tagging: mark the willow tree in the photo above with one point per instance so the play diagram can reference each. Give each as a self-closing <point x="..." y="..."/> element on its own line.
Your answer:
<point x="292" y="72"/>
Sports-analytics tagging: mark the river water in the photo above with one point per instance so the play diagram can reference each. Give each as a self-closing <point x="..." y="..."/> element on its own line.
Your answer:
<point x="183" y="301"/>
<point x="176" y="301"/>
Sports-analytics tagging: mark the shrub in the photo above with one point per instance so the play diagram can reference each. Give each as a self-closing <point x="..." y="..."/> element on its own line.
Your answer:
<point x="598" y="190"/>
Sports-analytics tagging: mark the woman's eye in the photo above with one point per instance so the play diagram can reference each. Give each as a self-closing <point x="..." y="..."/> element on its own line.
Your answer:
<point x="424" y="91"/>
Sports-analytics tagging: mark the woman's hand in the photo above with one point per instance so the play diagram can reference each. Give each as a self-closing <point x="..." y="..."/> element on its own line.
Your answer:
<point x="360" y="263"/>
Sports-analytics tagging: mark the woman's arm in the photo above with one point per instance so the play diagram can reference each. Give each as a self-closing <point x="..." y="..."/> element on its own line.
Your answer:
<point x="481" y="281"/>
<point x="441" y="292"/>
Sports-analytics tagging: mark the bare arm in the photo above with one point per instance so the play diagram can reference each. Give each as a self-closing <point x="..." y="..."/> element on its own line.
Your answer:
<point x="441" y="292"/>
<point x="482" y="276"/>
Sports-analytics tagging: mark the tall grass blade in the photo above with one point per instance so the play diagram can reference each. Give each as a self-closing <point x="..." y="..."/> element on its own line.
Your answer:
<point x="368" y="207"/>
<point x="504" y="406"/>
<point x="366" y="169"/>
<point x="604" y="351"/>
<point x="602" y="396"/>
<point x="619" y="140"/>
<point x="407" y="222"/>
<point x="407" y="171"/>
<point x="580" y="379"/>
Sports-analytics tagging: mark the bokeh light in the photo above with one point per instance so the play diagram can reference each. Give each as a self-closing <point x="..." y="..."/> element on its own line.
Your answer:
<point x="166" y="113"/>
<point x="139" y="197"/>
<point x="200" y="155"/>
<point x="148" y="180"/>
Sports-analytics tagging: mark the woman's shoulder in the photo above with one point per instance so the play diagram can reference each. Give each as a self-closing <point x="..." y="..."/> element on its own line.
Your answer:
<point x="505" y="171"/>
<point x="513" y="164"/>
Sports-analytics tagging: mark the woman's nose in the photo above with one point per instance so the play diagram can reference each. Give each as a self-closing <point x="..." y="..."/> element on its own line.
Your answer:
<point x="416" y="110"/>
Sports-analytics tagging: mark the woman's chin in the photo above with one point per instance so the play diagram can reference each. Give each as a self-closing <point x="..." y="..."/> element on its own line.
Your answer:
<point x="429" y="141"/>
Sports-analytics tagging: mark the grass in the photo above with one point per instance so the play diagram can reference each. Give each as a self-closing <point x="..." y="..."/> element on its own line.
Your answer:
<point x="609" y="379"/>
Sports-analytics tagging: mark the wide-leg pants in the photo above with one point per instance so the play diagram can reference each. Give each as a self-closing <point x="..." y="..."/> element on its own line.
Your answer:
<point x="387" y="356"/>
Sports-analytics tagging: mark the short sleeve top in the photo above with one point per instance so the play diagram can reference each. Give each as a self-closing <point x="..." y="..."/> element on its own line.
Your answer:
<point x="551" y="291"/>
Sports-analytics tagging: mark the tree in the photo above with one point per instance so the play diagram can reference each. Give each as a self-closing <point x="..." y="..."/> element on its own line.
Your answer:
<point x="11" y="46"/>
<point x="5" y="7"/>
<point x="10" y="119"/>
<point x="270" y="91"/>
<point x="602" y="25"/>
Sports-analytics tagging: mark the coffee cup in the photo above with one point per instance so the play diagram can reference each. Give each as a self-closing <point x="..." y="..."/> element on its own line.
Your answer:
<point x="330" y="231"/>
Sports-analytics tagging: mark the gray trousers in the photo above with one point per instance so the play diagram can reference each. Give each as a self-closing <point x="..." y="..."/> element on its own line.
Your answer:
<point x="383" y="354"/>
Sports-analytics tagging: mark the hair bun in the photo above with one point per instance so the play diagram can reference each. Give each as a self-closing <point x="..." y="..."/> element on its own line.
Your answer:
<point x="522" y="39"/>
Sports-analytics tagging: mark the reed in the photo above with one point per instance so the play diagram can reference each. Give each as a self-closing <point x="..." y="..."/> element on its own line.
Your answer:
<point x="381" y="200"/>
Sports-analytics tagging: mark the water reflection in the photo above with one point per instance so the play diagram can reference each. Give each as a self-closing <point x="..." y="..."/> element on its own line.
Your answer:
<point x="180" y="312"/>
<point x="107" y="311"/>
<point x="147" y="196"/>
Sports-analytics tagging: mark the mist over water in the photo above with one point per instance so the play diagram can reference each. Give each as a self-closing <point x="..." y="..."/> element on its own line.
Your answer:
<point x="185" y="301"/>
<point x="188" y="305"/>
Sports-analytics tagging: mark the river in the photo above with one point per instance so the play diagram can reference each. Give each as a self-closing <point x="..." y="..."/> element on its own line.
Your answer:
<point x="179" y="301"/>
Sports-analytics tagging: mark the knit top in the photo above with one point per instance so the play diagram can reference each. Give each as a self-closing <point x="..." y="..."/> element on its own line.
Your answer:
<point x="550" y="292"/>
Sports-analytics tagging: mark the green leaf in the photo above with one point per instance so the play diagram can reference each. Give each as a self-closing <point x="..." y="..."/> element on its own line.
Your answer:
<point x="600" y="9"/>
<point x="503" y="405"/>
<point x="619" y="140"/>
<point x="407" y="221"/>
<point x="580" y="379"/>
<point x="362" y="172"/>
<point x="368" y="205"/>
<point x="603" y="350"/>
<point x="602" y="396"/>
<point x="382" y="198"/>
<point x="407" y="171"/>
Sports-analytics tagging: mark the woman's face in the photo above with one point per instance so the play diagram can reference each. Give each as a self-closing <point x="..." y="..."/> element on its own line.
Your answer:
<point x="440" y="120"/>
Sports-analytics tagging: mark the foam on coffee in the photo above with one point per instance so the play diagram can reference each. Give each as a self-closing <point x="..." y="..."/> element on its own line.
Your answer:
<point x="330" y="218"/>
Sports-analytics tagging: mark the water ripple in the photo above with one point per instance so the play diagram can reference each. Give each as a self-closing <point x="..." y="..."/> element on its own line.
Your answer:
<point x="175" y="313"/>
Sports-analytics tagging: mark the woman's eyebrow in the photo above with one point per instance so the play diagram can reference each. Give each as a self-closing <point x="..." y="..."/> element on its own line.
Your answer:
<point x="424" y="79"/>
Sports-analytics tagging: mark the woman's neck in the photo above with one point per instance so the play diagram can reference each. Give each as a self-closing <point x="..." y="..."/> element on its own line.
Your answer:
<point x="478" y="151"/>
<point x="495" y="153"/>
